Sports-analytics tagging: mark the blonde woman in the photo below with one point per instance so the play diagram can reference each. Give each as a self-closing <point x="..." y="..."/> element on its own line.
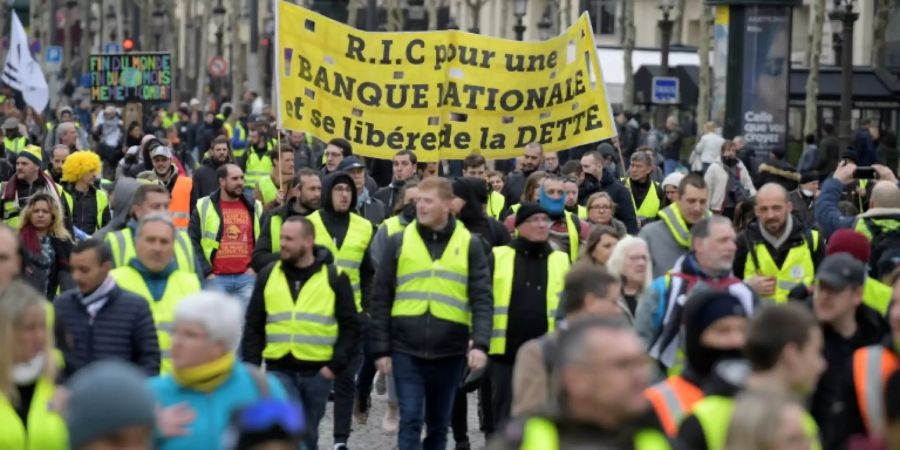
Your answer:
<point x="47" y="245"/>
<point x="600" y="209"/>
<point x="27" y="373"/>
<point x="767" y="421"/>
<point x="630" y="262"/>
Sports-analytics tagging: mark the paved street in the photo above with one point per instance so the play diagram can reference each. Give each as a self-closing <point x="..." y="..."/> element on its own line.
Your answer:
<point x="370" y="437"/>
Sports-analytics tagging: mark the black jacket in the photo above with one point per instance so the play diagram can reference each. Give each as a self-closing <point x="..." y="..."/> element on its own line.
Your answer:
<point x="779" y="172"/>
<point x="205" y="265"/>
<point x="123" y="328"/>
<point x="254" y="339"/>
<point x="829" y="156"/>
<point x="84" y="210"/>
<point x="515" y="186"/>
<point x="205" y="180"/>
<point x="426" y="336"/>
<point x="373" y="210"/>
<point x="388" y="195"/>
<point x="752" y="236"/>
<point x="58" y="277"/>
<point x="619" y="194"/>
<point x="829" y="406"/>
<point x="262" y="250"/>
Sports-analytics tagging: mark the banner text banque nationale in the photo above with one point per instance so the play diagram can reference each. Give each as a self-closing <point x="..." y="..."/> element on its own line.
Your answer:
<point x="443" y="94"/>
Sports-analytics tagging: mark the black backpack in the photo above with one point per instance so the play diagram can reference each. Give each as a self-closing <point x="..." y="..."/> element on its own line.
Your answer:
<point x="885" y="245"/>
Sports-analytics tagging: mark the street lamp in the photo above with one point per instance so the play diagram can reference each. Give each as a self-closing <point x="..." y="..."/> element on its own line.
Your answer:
<point x="842" y="19"/>
<point x="665" y="29"/>
<point x="218" y="16"/>
<point x="520" y="7"/>
<point x="544" y="25"/>
<point x="110" y="18"/>
<point x="159" y="21"/>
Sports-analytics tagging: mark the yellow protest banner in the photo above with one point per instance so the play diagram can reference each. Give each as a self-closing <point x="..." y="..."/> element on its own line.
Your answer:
<point x="442" y="94"/>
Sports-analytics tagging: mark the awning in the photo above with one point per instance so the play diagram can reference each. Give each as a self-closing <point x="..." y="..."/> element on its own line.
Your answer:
<point x="872" y="88"/>
<point x="688" y="79"/>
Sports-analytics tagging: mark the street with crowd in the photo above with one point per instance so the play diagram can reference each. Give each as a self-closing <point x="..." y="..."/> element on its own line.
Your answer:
<point x="200" y="279"/>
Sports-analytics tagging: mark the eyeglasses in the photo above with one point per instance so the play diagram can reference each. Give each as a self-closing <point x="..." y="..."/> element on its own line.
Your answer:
<point x="600" y="208"/>
<point x="343" y="188"/>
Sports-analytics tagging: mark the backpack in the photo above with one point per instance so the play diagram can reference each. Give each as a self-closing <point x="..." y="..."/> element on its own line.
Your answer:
<point x="885" y="245"/>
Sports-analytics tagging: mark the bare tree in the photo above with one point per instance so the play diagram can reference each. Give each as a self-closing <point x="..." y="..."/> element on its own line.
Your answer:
<point x="812" y="81"/>
<point x="707" y="21"/>
<point x="353" y="7"/>
<point x="475" y="9"/>
<point x="432" y="7"/>
<point x="628" y="46"/>
<point x="678" y="26"/>
<point x="879" y="31"/>
<point x="395" y="19"/>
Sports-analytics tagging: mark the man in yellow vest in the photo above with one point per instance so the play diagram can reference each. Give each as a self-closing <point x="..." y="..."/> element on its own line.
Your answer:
<point x="528" y="278"/>
<point x="600" y="372"/>
<point x="271" y="189"/>
<point x="88" y="205"/>
<point x="876" y="295"/>
<point x="646" y="195"/>
<point x="148" y="198"/>
<point x="474" y="165"/>
<point x="28" y="180"/>
<point x="347" y="236"/>
<point x="301" y="321"/>
<point x="304" y="198"/>
<point x="224" y="228"/>
<point x="179" y="186"/>
<point x="784" y="354"/>
<point x="431" y="306"/>
<point x="776" y="252"/>
<point x="567" y="231"/>
<point x="152" y="274"/>
<point x="670" y="237"/>
<point x="256" y="163"/>
<point x="13" y="143"/>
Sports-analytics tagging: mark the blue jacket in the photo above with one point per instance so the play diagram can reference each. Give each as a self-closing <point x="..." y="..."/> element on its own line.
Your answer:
<point x="123" y="329"/>
<point x="827" y="213"/>
<point x="213" y="410"/>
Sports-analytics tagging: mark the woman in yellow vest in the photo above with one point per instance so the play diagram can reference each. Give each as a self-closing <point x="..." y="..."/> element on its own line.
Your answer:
<point x="27" y="419"/>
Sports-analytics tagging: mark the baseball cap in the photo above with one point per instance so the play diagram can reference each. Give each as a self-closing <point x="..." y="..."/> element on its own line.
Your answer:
<point x="349" y="163"/>
<point x="161" y="150"/>
<point x="840" y="270"/>
<point x="10" y="123"/>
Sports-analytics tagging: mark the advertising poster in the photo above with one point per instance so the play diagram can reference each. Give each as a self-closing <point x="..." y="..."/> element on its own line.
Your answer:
<point x="764" y="100"/>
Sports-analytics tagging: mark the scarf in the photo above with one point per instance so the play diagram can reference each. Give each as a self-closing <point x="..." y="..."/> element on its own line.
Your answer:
<point x="27" y="372"/>
<point x="362" y="198"/>
<point x="208" y="376"/>
<point x="30" y="239"/>
<point x="777" y="241"/>
<point x="95" y="300"/>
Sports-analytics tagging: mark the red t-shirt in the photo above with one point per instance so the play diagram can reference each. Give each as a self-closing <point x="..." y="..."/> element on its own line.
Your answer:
<point x="236" y="246"/>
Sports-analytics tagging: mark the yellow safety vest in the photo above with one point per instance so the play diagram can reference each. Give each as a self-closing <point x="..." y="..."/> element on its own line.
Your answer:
<point x="257" y="168"/>
<point x="211" y="226"/>
<point x="542" y="434"/>
<point x="648" y="208"/>
<point x="11" y="208"/>
<point x="46" y="429"/>
<point x="14" y="146"/>
<point x="714" y="415"/>
<point x="495" y="204"/>
<point x="393" y="225"/>
<point x="349" y="257"/>
<point x="797" y="267"/>
<point x="671" y="216"/>
<point x="238" y="152"/>
<point x="178" y="286"/>
<point x="267" y="189"/>
<point x="304" y="326"/>
<point x="439" y="287"/>
<point x="102" y="202"/>
<point x="121" y="243"/>
<point x="504" y="269"/>
<point x="582" y="212"/>
<point x="886" y="224"/>
<point x="877" y="295"/>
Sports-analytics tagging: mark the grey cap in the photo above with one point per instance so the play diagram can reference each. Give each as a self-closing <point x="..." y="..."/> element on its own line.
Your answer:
<point x="106" y="397"/>
<point x="10" y="123"/>
<point x="161" y="150"/>
<point x="841" y="270"/>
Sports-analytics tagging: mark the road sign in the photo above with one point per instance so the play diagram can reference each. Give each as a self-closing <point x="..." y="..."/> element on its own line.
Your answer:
<point x="217" y="67"/>
<point x="112" y="47"/>
<point x="53" y="55"/>
<point x="665" y="91"/>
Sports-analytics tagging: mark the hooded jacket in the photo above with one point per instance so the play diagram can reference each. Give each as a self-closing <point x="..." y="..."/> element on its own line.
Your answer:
<point x="120" y="205"/>
<point x="426" y="336"/>
<point x="474" y="192"/>
<point x="254" y="338"/>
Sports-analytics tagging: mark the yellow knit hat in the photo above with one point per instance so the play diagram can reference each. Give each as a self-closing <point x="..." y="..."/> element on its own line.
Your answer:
<point x="33" y="153"/>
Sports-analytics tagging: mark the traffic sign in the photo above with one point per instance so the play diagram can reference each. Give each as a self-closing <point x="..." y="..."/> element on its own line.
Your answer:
<point x="217" y="67"/>
<point x="53" y="55"/>
<point x="665" y="91"/>
<point x="112" y="47"/>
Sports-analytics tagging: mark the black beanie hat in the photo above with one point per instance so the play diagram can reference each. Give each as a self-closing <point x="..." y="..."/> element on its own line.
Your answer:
<point x="703" y="308"/>
<point x="527" y="210"/>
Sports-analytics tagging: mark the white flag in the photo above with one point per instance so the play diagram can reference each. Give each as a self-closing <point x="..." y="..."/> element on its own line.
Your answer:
<point x="21" y="72"/>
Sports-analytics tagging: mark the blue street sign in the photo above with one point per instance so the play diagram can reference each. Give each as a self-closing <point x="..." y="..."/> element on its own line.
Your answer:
<point x="54" y="54"/>
<point x="112" y="47"/>
<point x="665" y="90"/>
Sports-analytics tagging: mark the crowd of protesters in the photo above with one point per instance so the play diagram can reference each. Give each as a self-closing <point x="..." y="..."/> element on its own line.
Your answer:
<point x="203" y="280"/>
